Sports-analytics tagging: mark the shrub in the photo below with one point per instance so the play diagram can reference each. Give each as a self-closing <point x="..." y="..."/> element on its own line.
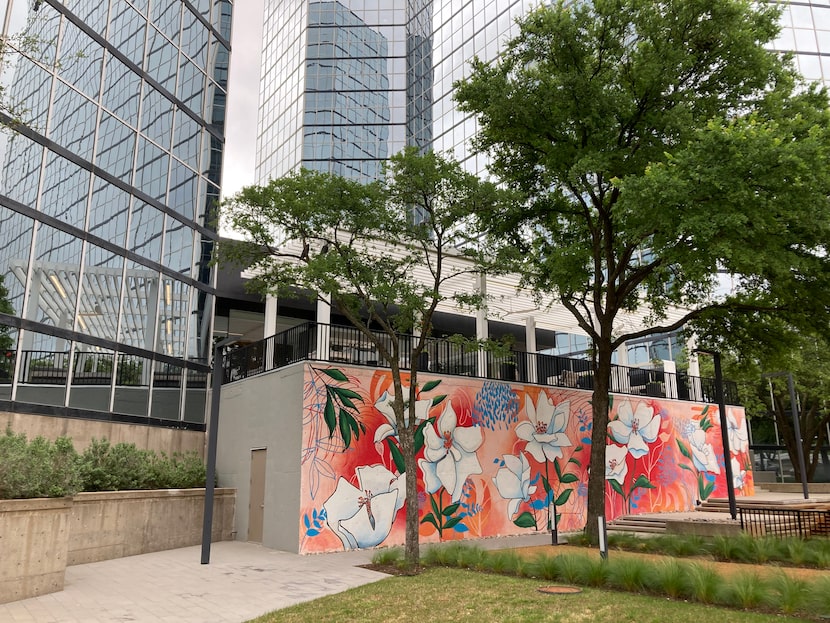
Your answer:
<point x="124" y="466"/>
<point x="110" y="468"/>
<point x="180" y="471"/>
<point x="38" y="468"/>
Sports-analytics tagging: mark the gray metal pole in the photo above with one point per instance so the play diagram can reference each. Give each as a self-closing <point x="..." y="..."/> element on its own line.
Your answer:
<point x="724" y="435"/>
<point x="798" y="441"/>
<point x="213" y="438"/>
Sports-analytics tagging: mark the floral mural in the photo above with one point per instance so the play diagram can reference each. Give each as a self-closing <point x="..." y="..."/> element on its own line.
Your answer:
<point x="496" y="458"/>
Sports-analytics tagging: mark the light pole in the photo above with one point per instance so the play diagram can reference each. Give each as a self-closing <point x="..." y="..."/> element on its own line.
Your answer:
<point x="799" y="448"/>
<point x="724" y="431"/>
<point x="213" y="438"/>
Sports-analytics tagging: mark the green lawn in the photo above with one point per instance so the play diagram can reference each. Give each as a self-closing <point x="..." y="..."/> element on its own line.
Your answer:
<point x="444" y="594"/>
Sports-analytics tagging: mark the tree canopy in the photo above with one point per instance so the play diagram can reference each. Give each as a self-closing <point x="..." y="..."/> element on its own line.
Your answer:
<point x="384" y="254"/>
<point x="657" y="145"/>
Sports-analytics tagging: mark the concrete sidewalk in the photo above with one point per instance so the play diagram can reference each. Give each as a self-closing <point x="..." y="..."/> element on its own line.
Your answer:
<point x="242" y="582"/>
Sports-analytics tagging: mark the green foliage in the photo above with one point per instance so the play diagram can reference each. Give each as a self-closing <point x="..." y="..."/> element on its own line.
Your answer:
<point x="747" y="590"/>
<point x="628" y="573"/>
<point x="388" y="556"/>
<point x="793" y="593"/>
<point x="105" y="467"/>
<point x="655" y="146"/>
<point x="385" y="254"/>
<point x="37" y="468"/>
<point x="670" y="578"/>
<point x="40" y="468"/>
<point x="179" y="471"/>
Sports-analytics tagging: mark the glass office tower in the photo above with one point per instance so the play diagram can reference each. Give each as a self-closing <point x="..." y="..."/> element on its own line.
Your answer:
<point x="348" y="83"/>
<point x="110" y="157"/>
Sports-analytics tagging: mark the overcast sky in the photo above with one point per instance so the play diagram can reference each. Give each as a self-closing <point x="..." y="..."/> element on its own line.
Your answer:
<point x="243" y="96"/>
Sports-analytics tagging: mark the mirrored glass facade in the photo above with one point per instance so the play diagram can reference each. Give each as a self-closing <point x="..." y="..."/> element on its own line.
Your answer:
<point x="111" y="133"/>
<point x="347" y="83"/>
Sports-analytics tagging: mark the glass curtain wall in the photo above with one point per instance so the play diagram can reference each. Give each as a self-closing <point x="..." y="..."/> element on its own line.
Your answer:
<point x="111" y="133"/>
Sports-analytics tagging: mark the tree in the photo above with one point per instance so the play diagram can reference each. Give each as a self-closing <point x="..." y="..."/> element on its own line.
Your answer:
<point x="384" y="254"/>
<point x="756" y="345"/>
<point x="657" y="144"/>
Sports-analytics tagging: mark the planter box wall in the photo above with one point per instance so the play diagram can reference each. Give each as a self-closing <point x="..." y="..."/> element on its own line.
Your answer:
<point x="114" y="524"/>
<point x="40" y="537"/>
<point x="34" y="536"/>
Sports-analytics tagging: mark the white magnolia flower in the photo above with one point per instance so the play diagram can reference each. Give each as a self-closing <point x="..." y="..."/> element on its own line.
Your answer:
<point x="738" y="474"/>
<point x="615" y="466"/>
<point x="513" y="482"/>
<point x="545" y="432"/>
<point x="362" y="516"/>
<point x="703" y="455"/>
<point x="450" y="454"/>
<point x="636" y="429"/>
<point x="390" y="427"/>
<point x="738" y="437"/>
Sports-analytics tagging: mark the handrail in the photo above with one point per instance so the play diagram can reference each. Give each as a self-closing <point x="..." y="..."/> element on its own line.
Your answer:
<point x="313" y="341"/>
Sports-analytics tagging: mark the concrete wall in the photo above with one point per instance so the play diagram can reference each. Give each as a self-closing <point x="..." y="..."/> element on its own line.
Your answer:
<point x="265" y="412"/>
<point x="168" y="440"/>
<point x="114" y="524"/>
<point x="40" y="537"/>
<point x="33" y="547"/>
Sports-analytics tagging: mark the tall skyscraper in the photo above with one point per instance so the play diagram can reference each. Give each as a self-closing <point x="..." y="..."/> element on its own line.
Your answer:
<point x="348" y="83"/>
<point x="110" y="159"/>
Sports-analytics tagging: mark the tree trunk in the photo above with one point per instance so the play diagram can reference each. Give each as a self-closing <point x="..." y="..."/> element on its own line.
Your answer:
<point x="599" y="435"/>
<point x="406" y="436"/>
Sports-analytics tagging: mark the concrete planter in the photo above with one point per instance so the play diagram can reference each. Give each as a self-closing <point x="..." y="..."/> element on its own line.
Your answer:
<point x="39" y="538"/>
<point x="114" y="524"/>
<point x="34" y="539"/>
<point x="703" y="528"/>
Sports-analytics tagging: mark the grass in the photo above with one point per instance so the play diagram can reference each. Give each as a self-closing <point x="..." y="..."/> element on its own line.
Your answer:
<point x="744" y="548"/>
<point x="444" y="594"/>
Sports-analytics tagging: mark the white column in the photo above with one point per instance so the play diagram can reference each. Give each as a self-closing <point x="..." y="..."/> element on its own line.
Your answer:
<point x="530" y="347"/>
<point x="670" y="376"/>
<point x="270" y="327"/>
<point x="482" y="329"/>
<point x="323" y="327"/>
<point x="695" y="388"/>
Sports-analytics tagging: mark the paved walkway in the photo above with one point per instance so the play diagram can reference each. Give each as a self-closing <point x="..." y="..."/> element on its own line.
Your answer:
<point x="242" y="582"/>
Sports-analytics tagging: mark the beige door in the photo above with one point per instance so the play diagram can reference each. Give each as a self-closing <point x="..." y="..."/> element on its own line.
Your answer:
<point x="256" y="506"/>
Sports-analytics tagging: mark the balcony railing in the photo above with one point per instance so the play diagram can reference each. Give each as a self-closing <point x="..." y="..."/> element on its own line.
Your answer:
<point x="90" y="368"/>
<point x="340" y="344"/>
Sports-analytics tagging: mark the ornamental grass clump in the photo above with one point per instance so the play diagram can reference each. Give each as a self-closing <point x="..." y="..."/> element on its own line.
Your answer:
<point x="388" y="556"/>
<point x="669" y="577"/>
<point x="571" y="568"/>
<point x="747" y="590"/>
<point x="818" y="601"/>
<point x="793" y="594"/>
<point x="705" y="583"/>
<point x="628" y="573"/>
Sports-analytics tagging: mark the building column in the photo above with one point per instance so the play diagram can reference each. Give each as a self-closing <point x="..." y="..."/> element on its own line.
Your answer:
<point x="270" y="327"/>
<point x="323" y="327"/>
<point x="530" y="347"/>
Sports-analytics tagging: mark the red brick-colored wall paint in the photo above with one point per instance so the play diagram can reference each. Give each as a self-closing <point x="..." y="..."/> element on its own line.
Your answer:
<point x="496" y="458"/>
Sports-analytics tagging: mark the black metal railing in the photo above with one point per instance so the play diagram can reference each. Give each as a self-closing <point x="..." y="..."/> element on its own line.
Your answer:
<point x="341" y="344"/>
<point x="785" y="522"/>
<point x="93" y="368"/>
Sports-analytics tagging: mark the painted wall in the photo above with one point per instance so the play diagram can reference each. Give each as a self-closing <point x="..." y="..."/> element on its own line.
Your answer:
<point x="494" y="458"/>
<point x="264" y="412"/>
